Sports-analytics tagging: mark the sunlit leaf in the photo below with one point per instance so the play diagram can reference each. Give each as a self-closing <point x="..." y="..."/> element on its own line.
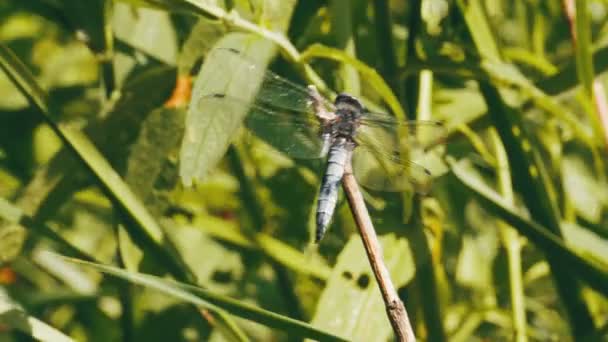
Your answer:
<point x="210" y="130"/>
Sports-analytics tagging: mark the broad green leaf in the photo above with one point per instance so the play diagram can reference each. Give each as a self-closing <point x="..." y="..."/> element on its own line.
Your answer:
<point x="206" y="257"/>
<point x="210" y="130"/>
<point x="150" y="171"/>
<point x="148" y="30"/>
<point x="208" y="300"/>
<point x="478" y="251"/>
<point x="351" y="302"/>
<point x="199" y="41"/>
<point x="588" y="195"/>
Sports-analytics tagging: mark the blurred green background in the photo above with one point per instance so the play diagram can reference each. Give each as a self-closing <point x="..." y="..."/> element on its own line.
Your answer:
<point x="510" y="244"/>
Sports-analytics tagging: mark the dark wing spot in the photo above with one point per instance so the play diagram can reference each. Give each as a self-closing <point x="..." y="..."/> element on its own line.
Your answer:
<point x="347" y="275"/>
<point x="218" y="95"/>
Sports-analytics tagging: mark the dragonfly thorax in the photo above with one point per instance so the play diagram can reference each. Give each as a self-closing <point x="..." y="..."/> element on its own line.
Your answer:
<point x="348" y="116"/>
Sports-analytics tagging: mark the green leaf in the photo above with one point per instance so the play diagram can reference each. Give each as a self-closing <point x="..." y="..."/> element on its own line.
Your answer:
<point x="167" y="5"/>
<point x="593" y="273"/>
<point x="351" y="302"/>
<point x="208" y="300"/>
<point x="277" y="250"/>
<point x="567" y="77"/>
<point x="89" y="155"/>
<point x="478" y="251"/>
<point x="482" y="34"/>
<point x="14" y="317"/>
<point x="148" y="30"/>
<point x="584" y="62"/>
<point x="210" y="130"/>
<point x="586" y="242"/>
<point x="588" y="196"/>
<point x="12" y="234"/>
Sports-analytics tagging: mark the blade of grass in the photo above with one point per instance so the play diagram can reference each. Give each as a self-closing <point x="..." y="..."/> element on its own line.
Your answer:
<point x="593" y="273"/>
<point x="530" y="177"/>
<point x="144" y="228"/>
<point x="206" y="299"/>
<point x="144" y="224"/>
<point x="531" y="180"/>
<point x="580" y="32"/>
<point x="511" y="242"/>
<point x="426" y="280"/>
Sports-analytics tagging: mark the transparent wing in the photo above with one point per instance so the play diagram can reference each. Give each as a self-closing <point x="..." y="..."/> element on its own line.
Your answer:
<point x="391" y="155"/>
<point x="280" y="112"/>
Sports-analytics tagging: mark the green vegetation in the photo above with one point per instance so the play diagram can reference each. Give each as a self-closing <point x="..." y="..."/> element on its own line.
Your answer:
<point x="127" y="212"/>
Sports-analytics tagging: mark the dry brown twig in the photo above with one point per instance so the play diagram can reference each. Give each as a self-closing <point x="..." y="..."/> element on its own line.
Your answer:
<point x="397" y="314"/>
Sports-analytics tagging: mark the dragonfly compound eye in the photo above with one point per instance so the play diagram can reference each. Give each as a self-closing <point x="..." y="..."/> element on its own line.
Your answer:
<point x="348" y="103"/>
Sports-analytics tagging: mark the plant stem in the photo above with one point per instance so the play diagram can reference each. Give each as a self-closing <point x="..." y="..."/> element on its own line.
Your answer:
<point x="512" y="243"/>
<point x="384" y="44"/>
<point x="395" y="309"/>
<point x="232" y="19"/>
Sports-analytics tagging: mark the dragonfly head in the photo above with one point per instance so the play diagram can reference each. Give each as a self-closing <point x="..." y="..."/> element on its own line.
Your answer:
<point x="348" y="104"/>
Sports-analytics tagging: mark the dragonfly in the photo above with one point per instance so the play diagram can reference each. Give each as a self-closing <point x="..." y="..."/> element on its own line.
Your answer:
<point x="301" y="123"/>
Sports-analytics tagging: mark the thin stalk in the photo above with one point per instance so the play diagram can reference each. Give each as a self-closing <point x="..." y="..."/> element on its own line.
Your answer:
<point x="410" y="85"/>
<point x="384" y="43"/>
<point x="107" y="62"/>
<point x="395" y="309"/>
<point x="530" y="178"/>
<point x="426" y="278"/>
<point x="426" y="272"/>
<point x="512" y="243"/>
<point x="578" y="21"/>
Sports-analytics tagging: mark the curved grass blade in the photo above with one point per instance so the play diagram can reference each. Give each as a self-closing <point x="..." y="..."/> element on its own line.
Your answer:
<point x="529" y="177"/>
<point x="594" y="274"/>
<point x="144" y="224"/>
<point x="206" y="299"/>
